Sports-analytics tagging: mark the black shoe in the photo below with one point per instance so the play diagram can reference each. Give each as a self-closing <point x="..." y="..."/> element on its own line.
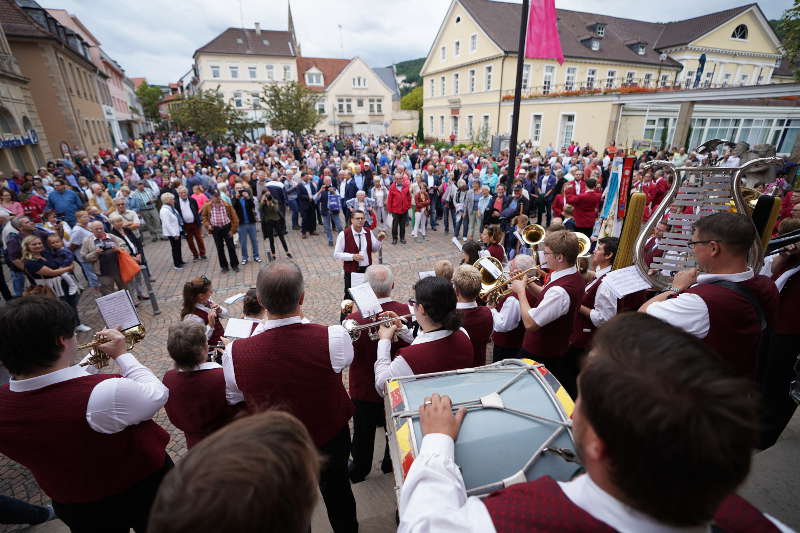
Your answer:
<point x="195" y="259"/>
<point x="289" y="255"/>
<point x="330" y="243"/>
<point x="386" y="467"/>
<point x="402" y="241"/>
<point x="236" y="269"/>
<point x="226" y="269"/>
<point x="394" y="241"/>
<point x="203" y="258"/>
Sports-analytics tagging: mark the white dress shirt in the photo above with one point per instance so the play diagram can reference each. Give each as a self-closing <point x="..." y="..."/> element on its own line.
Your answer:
<point x="340" y="255"/>
<point x="186" y="211"/>
<point x="507" y="318"/>
<point x="433" y="499"/>
<point x="689" y="312"/>
<point x="340" y="349"/>
<point x="115" y="403"/>
<point x="466" y="305"/>
<point x="554" y="303"/>
<point x="605" y="312"/>
<point x="223" y="313"/>
<point x="208" y="365"/>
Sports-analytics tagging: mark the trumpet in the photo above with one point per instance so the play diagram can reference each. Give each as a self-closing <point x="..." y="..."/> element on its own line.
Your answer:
<point x="502" y="287"/>
<point x="97" y="357"/>
<point x="354" y="329"/>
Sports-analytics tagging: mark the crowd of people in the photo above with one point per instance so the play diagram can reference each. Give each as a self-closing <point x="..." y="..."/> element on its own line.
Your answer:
<point x="640" y="365"/>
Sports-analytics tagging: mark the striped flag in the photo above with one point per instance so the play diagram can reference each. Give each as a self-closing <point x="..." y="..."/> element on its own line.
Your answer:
<point x="542" y="39"/>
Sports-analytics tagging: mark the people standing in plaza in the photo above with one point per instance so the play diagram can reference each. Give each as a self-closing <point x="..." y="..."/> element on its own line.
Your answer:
<point x="23" y="227"/>
<point x="192" y="225"/>
<point x="110" y="456"/>
<point x="133" y="245"/>
<point x="272" y="224"/>
<point x="305" y="202"/>
<point x="221" y="221"/>
<point x="245" y="208"/>
<point x="172" y="227"/>
<point x="478" y="206"/>
<point x="101" y="250"/>
<point x="143" y="202"/>
<point x="422" y="202"/>
<point x="297" y="366"/>
<point x="65" y="202"/>
<point x="354" y="247"/>
<point x="379" y="194"/>
<point x="330" y="205"/>
<point x="398" y="204"/>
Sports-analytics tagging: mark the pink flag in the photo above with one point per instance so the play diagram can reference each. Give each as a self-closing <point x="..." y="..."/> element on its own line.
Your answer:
<point x="542" y="39"/>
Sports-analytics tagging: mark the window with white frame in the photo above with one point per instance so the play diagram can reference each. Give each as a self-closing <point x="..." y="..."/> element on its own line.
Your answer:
<point x="454" y="125"/>
<point x="547" y="81"/>
<point x="360" y="103"/>
<point x="569" y="79"/>
<point x="470" y="126"/>
<point x="473" y="42"/>
<point x="726" y="79"/>
<point x="739" y="33"/>
<point x="689" y="80"/>
<point x="430" y="129"/>
<point x="359" y="82"/>
<point x="664" y="81"/>
<point x="237" y="99"/>
<point x="709" y="79"/>
<point x="485" y="124"/>
<point x="255" y="100"/>
<point x="287" y="72"/>
<point x="595" y="44"/>
<point x="376" y="105"/>
<point x="648" y="79"/>
<point x="457" y="48"/>
<point x="591" y="77"/>
<point x="252" y="71"/>
<point x="488" y="78"/>
<point x="270" y="72"/>
<point x="432" y="88"/>
<point x="320" y="106"/>
<point x="526" y="76"/>
<point x="536" y="129"/>
<point x="344" y="105"/>
<point x="600" y="29"/>
<point x="234" y="71"/>
<point x="743" y="79"/>
<point x="214" y="71"/>
<point x="314" y="78"/>
<point x="472" y="80"/>
<point x="441" y="125"/>
<point x="443" y="53"/>
<point x="629" y="77"/>
<point x="456" y="88"/>
<point x="641" y="49"/>
<point x="610" y="75"/>
<point x="443" y="87"/>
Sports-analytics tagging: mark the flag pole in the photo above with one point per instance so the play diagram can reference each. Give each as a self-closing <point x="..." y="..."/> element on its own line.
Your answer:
<point x="512" y="148"/>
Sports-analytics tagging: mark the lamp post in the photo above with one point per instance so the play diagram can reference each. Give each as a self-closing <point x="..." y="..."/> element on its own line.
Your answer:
<point x="512" y="147"/>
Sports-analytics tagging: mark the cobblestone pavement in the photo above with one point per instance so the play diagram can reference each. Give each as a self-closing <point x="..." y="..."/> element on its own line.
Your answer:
<point x="771" y="486"/>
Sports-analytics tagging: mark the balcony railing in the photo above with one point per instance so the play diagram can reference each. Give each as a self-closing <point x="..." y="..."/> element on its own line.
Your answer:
<point x="614" y="86"/>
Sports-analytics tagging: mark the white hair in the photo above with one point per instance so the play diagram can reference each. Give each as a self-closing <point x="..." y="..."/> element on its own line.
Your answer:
<point x="381" y="279"/>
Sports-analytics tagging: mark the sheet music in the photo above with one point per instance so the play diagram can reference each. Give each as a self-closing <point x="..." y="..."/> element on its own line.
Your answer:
<point x="458" y="244"/>
<point x="357" y="278"/>
<point x="238" y="328"/>
<point x="484" y="253"/>
<point x="235" y="298"/>
<point x="490" y="266"/>
<point x="118" y="311"/>
<point x="366" y="300"/>
<point x="426" y="274"/>
<point x="625" y="281"/>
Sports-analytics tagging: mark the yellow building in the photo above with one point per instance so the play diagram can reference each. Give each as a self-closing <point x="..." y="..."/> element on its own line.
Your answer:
<point x="469" y="76"/>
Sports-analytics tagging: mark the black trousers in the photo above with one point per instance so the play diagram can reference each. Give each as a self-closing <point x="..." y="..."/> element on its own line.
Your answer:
<point x="175" y="244"/>
<point x="222" y="238"/>
<point x="777" y="371"/>
<point x="571" y="366"/>
<point x="369" y="416"/>
<point x="309" y="218"/>
<point x="334" y="483"/>
<point x="348" y="284"/>
<point x="399" y="221"/>
<point x="564" y="368"/>
<point x="127" y="510"/>
<point x="502" y="352"/>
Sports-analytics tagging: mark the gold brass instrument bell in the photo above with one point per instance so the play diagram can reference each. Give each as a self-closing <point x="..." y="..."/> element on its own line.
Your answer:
<point x="100" y="359"/>
<point x="493" y="288"/>
<point x="532" y="234"/>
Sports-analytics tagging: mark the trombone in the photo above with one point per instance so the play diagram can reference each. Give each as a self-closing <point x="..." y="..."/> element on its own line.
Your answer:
<point x="354" y="329"/>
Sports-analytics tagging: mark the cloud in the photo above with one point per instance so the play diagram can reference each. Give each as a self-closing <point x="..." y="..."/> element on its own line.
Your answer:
<point x="156" y="39"/>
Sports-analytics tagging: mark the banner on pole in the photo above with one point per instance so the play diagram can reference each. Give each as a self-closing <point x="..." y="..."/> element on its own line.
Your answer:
<point x="542" y="39"/>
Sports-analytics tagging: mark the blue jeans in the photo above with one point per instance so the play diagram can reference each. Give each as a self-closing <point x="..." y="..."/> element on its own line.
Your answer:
<point x="434" y="214"/>
<point x="295" y="207"/>
<point x="14" y="511"/>
<point x="18" y="281"/>
<point x="331" y="219"/>
<point x="248" y="231"/>
<point x="461" y="222"/>
<point x="88" y="273"/>
<point x="448" y="214"/>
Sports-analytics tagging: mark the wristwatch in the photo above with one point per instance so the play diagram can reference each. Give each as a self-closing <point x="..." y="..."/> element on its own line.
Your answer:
<point x="673" y="289"/>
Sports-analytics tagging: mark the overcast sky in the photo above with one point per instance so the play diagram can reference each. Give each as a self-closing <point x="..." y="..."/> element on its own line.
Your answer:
<point x="156" y="39"/>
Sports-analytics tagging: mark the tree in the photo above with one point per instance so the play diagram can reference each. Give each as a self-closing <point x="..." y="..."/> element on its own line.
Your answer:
<point x="789" y="30"/>
<point x="291" y="106"/>
<point x="420" y="132"/>
<point x="149" y="97"/>
<point x="412" y="100"/>
<point x="207" y="114"/>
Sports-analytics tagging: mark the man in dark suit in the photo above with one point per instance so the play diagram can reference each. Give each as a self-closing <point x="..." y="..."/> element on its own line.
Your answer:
<point x="192" y="223"/>
<point x="305" y="199"/>
<point x="547" y="190"/>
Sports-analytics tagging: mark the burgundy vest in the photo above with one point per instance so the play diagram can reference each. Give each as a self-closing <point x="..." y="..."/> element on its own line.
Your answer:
<point x="478" y="323"/>
<point x="46" y="431"/>
<point x="450" y="353"/>
<point x="513" y="338"/>
<point x="541" y="506"/>
<point x="197" y="404"/>
<point x="583" y="330"/>
<point x="351" y="247"/>
<point x="735" y="329"/>
<point x="289" y="368"/>
<point x="552" y="340"/>
<point x="786" y="321"/>
<point x="496" y="251"/>
<point x="365" y="350"/>
<point x="216" y="335"/>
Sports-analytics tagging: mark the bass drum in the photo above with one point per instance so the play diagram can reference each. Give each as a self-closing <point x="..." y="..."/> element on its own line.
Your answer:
<point x="517" y="426"/>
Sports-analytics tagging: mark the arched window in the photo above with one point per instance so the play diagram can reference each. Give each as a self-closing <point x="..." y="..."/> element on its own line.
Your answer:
<point x="740" y="32"/>
<point x="7" y="122"/>
<point x="26" y="124"/>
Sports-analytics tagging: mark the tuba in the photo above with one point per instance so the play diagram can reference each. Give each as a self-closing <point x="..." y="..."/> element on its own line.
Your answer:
<point x="532" y="234"/>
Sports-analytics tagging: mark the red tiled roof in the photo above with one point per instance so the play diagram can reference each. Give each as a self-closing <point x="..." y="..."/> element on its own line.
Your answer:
<point x="138" y="81"/>
<point x="330" y="68"/>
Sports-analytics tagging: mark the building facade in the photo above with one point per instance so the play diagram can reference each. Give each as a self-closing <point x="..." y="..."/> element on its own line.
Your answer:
<point x="23" y="143"/>
<point x="470" y="72"/>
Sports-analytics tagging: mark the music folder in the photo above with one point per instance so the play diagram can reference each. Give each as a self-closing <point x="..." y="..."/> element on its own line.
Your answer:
<point x="118" y="311"/>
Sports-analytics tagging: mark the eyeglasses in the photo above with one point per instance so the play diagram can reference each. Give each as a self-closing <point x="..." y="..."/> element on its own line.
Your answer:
<point x="692" y="244"/>
<point x="412" y="302"/>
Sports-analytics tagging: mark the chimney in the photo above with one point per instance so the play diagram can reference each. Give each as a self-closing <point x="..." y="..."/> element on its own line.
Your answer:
<point x="258" y="28"/>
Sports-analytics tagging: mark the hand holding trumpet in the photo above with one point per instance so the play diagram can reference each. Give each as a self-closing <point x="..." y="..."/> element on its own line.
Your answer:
<point x="388" y="330"/>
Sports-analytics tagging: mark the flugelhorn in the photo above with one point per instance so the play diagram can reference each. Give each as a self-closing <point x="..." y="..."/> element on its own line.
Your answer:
<point x="97" y="357"/>
<point x="503" y="286"/>
<point x="355" y="329"/>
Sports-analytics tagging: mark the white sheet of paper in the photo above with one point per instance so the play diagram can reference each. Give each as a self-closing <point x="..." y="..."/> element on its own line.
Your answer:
<point x="457" y="243"/>
<point x="484" y="253"/>
<point x="626" y="281"/>
<point x="117" y="310"/>
<point x="357" y="278"/>
<point x="519" y="237"/>
<point x="238" y="328"/>
<point x="366" y="300"/>
<point x="490" y="266"/>
<point x="235" y="298"/>
<point x="426" y="274"/>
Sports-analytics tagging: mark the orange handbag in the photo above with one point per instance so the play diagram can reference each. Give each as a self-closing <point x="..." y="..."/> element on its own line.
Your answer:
<point x="128" y="267"/>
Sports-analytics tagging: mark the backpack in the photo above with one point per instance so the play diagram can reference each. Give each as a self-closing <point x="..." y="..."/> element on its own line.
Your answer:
<point x="334" y="202"/>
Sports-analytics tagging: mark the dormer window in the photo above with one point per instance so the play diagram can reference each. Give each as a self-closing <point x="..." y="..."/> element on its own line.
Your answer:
<point x="314" y="78"/>
<point x="594" y="44"/>
<point x="641" y="49"/>
<point x="599" y="30"/>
